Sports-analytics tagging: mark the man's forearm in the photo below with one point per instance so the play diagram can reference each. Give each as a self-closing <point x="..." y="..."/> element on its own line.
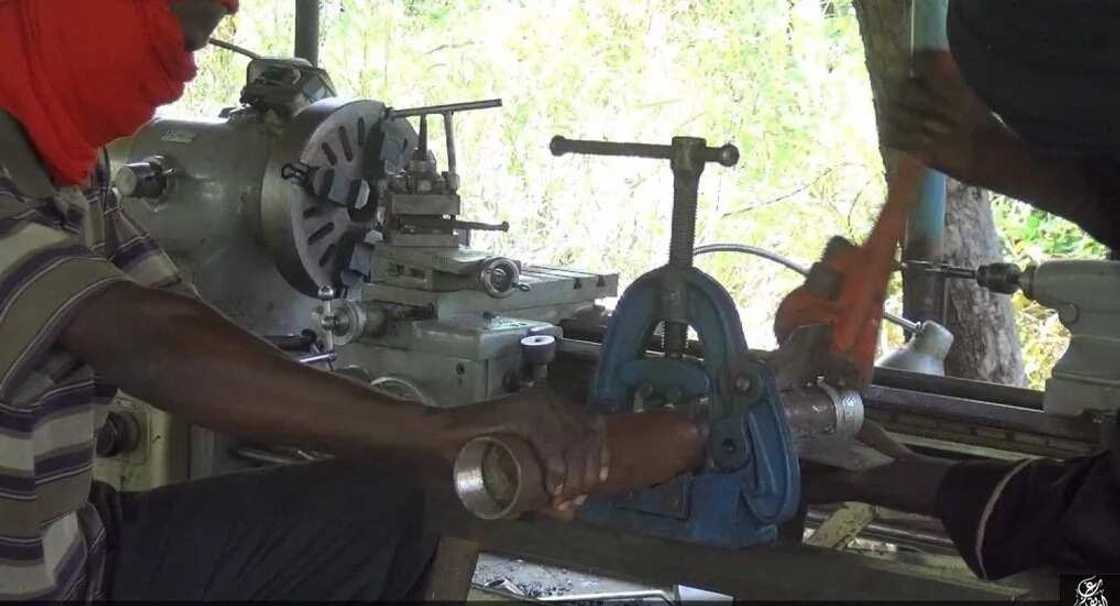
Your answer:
<point x="1005" y="164"/>
<point x="911" y="485"/>
<point x="184" y="357"/>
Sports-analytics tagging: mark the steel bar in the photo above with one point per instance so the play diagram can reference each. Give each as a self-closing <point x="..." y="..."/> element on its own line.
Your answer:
<point x="1011" y="418"/>
<point x="307" y="31"/>
<point x="893" y="532"/>
<point x="727" y="155"/>
<point x="444" y="109"/>
<point x="330" y="356"/>
<point x="241" y="50"/>
<point x="959" y="388"/>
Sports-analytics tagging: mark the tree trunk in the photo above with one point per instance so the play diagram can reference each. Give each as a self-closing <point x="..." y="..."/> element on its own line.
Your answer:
<point x="987" y="343"/>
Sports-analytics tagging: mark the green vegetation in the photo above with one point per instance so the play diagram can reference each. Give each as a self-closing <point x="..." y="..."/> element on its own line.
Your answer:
<point x="783" y="80"/>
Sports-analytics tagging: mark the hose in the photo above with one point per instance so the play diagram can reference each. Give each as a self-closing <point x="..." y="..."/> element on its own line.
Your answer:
<point x="907" y="325"/>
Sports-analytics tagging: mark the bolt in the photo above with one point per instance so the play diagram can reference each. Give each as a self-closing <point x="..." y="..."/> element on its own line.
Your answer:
<point x="326" y="293"/>
<point x="728" y="446"/>
<point x="743" y="384"/>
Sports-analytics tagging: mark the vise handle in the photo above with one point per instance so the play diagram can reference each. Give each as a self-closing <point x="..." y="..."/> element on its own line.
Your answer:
<point x="727" y="155"/>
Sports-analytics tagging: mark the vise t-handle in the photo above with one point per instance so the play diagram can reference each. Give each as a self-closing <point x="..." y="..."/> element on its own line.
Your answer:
<point x="687" y="157"/>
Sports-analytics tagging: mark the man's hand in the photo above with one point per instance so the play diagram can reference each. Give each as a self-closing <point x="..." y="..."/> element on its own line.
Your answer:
<point x="570" y="442"/>
<point x="936" y="119"/>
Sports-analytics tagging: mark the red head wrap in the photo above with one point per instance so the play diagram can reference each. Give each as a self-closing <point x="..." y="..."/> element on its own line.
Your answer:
<point x="79" y="73"/>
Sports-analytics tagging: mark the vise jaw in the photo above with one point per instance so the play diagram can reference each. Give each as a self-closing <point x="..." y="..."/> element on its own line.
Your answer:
<point x="751" y="480"/>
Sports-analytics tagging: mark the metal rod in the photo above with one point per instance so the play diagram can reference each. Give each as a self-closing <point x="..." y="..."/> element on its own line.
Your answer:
<point x="1012" y="418"/>
<point x="241" y="50"/>
<point x="264" y="456"/>
<point x="560" y="146"/>
<point x="307" y="31"/>
<point x="907" y="325"/>
<point x="444" y="109"/>
<point x="942" y="269"/>
<point x="606" y="596"/>
<point x="959" y="388"/>
<point x="330" y="356"/>
<point x="449" y="134"/>
<point x="728" y="155"/>
<point x="890" y="532"/>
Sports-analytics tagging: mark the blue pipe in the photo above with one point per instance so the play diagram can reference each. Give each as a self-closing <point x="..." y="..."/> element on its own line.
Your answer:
<point x="925" y="230"/>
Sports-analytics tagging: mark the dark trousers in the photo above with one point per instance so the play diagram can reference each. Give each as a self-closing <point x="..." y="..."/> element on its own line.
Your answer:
<point x="320" y="531"/>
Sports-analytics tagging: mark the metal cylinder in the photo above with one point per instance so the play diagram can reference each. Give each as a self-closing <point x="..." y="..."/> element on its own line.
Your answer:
<point x="207" y="218"/>
<point x="307" y="31"/>
<point x="821" y="416"/>
<point x="500" y="476"/>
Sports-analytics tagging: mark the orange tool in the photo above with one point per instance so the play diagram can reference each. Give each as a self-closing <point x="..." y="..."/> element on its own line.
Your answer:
<point x="845" y="291"/>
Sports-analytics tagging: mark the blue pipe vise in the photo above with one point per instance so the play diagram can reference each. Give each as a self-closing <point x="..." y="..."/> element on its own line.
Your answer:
<point x="751" y="481"/>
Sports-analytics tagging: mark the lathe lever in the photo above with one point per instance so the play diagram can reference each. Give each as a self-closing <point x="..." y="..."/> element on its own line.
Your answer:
<point x="727" y="155"/>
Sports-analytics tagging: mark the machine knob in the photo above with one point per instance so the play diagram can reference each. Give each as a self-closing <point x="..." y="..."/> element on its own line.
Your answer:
<point x="144" y="179"/>
<point x="1003" y="278"/>
<point x="539" y="350"/>
<point x="329" y="321"/>
<point x="118" y="436"/>
<point x="500" y="277"/>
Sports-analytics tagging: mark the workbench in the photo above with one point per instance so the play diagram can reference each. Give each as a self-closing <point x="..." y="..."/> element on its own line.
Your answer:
<point x="781" y="572"/>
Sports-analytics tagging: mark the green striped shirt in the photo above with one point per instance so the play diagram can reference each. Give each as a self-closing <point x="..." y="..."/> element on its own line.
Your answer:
<point x="58" y="247"/>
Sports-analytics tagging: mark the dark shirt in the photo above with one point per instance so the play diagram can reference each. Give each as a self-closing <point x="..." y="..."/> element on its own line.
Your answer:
<point x="1006" y="517"/>
<point x="1051" y="71"/>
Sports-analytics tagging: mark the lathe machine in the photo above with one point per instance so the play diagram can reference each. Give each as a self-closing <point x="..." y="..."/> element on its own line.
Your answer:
<point x="325" y="225"/>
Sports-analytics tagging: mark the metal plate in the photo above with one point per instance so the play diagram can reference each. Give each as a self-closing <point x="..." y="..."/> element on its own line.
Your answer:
<point x="311" y="239"/>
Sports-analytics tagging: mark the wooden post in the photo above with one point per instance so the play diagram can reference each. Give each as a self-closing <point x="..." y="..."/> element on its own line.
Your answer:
<point x="449" y="579"/>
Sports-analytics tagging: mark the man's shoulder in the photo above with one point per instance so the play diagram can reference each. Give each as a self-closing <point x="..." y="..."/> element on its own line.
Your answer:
<point x="22" y="174"/>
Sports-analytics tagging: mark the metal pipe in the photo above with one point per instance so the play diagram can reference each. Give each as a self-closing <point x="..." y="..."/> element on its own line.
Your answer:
<point x="330" y="356"/>
<point x="241" y="50"/>
<point x="907" y="325"/>
<point x="959" y="388"/>
<point x="728" y="155"/>
<point x="444" y="109"/>
<point x="890" y="532"/>
<point x="924" y="297"/>
<point x="820" y="415"/>
<point x="307" y="31"/>
<point x="971" y="412"/>
<point x="263" y="456"/>
<point x="499" y="476"/>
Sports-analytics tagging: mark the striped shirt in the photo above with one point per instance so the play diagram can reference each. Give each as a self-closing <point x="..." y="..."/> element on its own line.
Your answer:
<point x="58" y="247"/>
